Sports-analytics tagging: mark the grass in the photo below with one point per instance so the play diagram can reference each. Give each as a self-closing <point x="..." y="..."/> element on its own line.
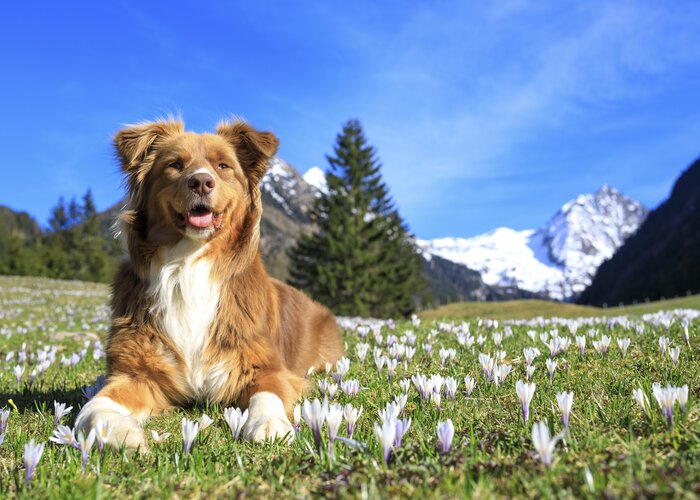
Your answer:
<point x="533" y="308"/>
<point x="611" y="448"/>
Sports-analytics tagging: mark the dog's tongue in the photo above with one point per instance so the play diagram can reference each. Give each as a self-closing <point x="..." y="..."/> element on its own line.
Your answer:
<point x="200" y="220"/>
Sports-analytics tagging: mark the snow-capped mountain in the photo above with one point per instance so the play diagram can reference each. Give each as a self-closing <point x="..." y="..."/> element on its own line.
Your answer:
<point x="317" y="178"/>
<point x="284" y="188"/>
<point x="559" y="259"/>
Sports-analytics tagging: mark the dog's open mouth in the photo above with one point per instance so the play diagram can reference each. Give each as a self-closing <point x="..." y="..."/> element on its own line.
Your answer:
<point x="200" y="217"/>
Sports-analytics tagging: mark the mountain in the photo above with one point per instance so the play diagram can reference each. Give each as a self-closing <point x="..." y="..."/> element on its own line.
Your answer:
<point x="662" y="259"/>
<point x="452" y="282"/>
<point x="558" y="260"/>
<point x="287" y="203"/>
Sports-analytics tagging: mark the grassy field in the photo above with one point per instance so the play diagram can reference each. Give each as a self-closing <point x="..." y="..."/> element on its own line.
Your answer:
<point x="611" y="447"/>
<point x="528" y="309"/>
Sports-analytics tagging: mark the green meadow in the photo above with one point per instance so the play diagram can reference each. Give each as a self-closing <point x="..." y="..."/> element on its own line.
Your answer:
<point x="611" y="448"/>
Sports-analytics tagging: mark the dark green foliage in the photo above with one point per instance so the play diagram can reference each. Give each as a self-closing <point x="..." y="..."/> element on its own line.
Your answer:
<point x="73" y="247"/>
<point x="662" y="260"/>
<point x="361" y="260"/>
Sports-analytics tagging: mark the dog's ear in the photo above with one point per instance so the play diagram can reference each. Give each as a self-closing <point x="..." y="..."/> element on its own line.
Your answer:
<point x="253" y="149"/>
<point x="134" y="144"/>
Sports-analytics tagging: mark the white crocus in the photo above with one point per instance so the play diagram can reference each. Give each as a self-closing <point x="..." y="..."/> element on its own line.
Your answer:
<point x="641" y="399"/>
<point x="236" y="419"/>
<point x="525" y="392"/>
<point x="543" y="443"/>
<point x="565" y="400"/>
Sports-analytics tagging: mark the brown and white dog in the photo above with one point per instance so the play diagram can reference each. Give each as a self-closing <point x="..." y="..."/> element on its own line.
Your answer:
<point x="195" y="315"/>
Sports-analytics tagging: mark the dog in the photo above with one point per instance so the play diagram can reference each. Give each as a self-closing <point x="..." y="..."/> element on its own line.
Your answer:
<point x="195" y="316"/>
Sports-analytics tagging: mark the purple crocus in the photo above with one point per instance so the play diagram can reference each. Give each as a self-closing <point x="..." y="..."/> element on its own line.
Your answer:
<point x="386" y="435"/>
<point x="445" y="432"/>
<point x="32" y="455"/>
<point x="4" y="415"/>
<point x="402" y="426"/>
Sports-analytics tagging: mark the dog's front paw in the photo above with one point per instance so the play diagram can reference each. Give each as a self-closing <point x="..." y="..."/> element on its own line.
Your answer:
<point x="267" y="419"/>
<point x="122" y="428"/>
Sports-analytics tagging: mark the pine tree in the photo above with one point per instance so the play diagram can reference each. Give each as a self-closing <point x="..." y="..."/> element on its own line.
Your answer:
<point x="361" y="260"/>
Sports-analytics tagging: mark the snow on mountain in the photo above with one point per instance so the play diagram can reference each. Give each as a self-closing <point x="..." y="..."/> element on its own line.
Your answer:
<point x="559" y="259"/>
<point x="317" y="178"/>
<point x="283" y="187"/>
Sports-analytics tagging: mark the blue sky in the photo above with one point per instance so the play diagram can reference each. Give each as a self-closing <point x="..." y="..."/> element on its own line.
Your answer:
<point x="484" y="114"/>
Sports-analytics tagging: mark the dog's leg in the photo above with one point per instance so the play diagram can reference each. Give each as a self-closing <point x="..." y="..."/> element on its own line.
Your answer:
<point x="271" y="400"/>
<point x="123" y="404"/>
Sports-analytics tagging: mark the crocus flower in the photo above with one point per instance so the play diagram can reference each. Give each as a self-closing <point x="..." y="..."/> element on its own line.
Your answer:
<point x="551" y="366"/>
<point x="666" y="397"/>
<point x="530" y="354"/>
<point x="204" y="421"/>
<point x="386" y="435"/>
<point x="4" y="415"/>
<point x="543" y="443"/>
<point x="402" y="426"/>
<point x="554" y="346"/>
<point x="501" y="373"/>
<point x="663" y="344"/>
<point x="18" y="370"/>
<point x="391" y="411"/>
<point x="445" y="432"/>
<point x="674" y="353"/>
<point x="410" y="352"/>
<point x="361" y="350"/>
<point x="682" y="396"/>
<point x="32" y="455"/>
<point x="342" y="366"/>
<point x="450" y="387"/>
<point x="84" y="445"/>
<point x="581" y="343"/>
<point x="297" y="417"/>
<point x="564" y="401"/>
<point x="435" y="399"/>
<point x="391" y="365"/>
<point x="400" y="401"/>
<point x="641" y="399"/>
<point x="497" y="339"/>
<point x="623" y="344"/>
<point x="351" y="387"/>
<point x="159" y="438"/>
<point x="530" y="371"/>
<point x="189" y="434"/>
<point x="525" y="392"/>
<point x="236" y="419"/>
<point x="469" y="384"/>
<point x="405" y="385"/>
<point x="314" y="413"/>
<point x="102" y="432"/>
<point x="332" y="390"/>
<point x="334" y="418"/>
<point x="351" y="414"/>
<point x="64" y="435"/>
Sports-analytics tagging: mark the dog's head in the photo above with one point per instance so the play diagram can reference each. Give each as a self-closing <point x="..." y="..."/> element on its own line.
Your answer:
<point x="188" y="185"/>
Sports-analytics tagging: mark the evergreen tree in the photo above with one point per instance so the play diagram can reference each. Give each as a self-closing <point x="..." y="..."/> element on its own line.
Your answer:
<point x="362" y="260"/>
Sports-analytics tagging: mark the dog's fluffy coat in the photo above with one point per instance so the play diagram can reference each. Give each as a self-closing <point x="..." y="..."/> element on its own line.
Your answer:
<point x="195" y="315"/>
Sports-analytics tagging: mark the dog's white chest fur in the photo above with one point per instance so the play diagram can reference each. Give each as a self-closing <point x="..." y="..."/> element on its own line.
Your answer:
<point x="185" y="303"/>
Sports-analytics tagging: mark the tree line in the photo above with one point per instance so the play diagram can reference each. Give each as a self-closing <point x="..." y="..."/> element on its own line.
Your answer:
<point x="73" y="245"/>
<point x="360" y="261"/>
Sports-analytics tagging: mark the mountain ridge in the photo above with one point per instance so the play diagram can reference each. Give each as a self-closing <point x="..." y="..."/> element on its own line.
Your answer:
<point x="559" y="259"/>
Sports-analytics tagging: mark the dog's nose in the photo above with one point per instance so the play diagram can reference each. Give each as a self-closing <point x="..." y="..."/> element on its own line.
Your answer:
<point x="201" y="183"/>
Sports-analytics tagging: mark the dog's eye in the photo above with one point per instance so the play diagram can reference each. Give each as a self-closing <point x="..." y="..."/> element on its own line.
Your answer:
<point x="177" y="165"/>
<point x="223" y="166"/>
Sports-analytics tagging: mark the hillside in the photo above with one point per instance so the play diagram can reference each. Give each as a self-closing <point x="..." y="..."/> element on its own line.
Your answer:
<point x="528" y="309"/>
<point x="662" y="258"/>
